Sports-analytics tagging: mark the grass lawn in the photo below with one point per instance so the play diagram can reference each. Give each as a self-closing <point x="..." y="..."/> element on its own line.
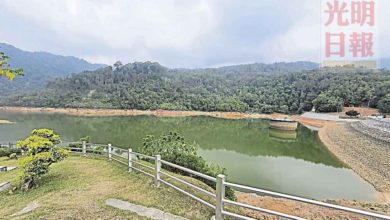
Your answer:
<point x="77" y="188"/>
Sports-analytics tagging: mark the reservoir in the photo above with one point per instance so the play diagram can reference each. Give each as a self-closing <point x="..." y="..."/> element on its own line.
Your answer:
<point x="293" y="162"/>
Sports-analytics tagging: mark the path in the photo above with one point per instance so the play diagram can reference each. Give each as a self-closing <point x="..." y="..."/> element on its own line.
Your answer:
<point x="142" y="210"/>
<point x="378" y="129"/>
<point x="4" y="186"/>
<point x="30" y="207"/>
<point x="321" y="116"/>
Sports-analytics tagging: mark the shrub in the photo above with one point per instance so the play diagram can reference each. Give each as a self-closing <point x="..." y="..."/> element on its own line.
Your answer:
<point x="87" y="139"/>
<point x="352" y="113"/>
<point x="173" y="148"/>
<point x="79" y="144"/>
<point x="6" y="152"/>
<point x="13" y="156"/>
<point x="307" y="106"/>
<point x="75" y="145"/>
<point x="40" y="154"/>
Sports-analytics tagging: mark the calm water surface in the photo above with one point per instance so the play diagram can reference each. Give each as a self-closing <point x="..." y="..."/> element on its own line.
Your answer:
<point x="295" y="163"/>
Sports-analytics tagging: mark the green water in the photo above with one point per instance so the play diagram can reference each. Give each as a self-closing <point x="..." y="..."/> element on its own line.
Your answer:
<point x="294" y="163"/>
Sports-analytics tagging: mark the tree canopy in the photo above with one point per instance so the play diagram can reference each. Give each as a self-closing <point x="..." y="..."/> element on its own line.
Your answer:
<point x="40" y="153"/>
<point x="150" y="86"/>
<point x="4" y="68"/>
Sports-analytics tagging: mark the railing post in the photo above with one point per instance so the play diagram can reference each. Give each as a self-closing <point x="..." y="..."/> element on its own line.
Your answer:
<point x="129" y="158"/>
<point x="158" y="168"/>
<point x="109" y="151"/>
<point x="84" y="145"/>
<point x="220" y="195"/>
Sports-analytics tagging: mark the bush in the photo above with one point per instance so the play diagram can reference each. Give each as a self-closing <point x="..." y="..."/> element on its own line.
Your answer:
<point x="352" y="113"/>
<point x="173" y="148"/>
<point x="307" y="106"/>
<point x="6" y="152"/>
<point x="13" y="156"/>
<point x="75" y="145"/>
<point x="87" y="139"/>
<point x="40" y="154"/>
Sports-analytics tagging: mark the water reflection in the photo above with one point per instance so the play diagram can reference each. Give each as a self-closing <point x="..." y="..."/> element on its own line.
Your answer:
<point x="282" y="135"/>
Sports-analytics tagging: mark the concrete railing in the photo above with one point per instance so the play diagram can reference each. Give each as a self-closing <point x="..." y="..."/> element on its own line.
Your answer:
<point x="129" y="159"/>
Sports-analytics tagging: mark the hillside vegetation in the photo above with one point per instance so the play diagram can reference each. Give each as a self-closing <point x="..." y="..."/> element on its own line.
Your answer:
<point x="284" y="88"/>
<point x="39" y="67"/>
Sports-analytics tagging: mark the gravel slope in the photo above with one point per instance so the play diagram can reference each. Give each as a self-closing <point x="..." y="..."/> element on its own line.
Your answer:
<point x="367" y="156"/>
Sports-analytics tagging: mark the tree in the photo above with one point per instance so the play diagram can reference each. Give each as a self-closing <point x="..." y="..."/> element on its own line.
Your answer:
<point x="118" y="64"/>
<point x="40" y="154"/>
<point x="5" y="71"/>
<point x="175" y="149"/>
<point x="384" y="104"/>
<point x="327" y="103"/>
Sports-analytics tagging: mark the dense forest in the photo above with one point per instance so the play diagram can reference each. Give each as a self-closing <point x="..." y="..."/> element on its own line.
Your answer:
<point x="246" y="88"/>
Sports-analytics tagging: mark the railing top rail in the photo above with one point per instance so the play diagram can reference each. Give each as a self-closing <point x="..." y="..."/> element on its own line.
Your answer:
<point x="72" y="148"/>
<point x="143" y="155"/>
<point x="189" y="170"/>
<point x="309" y="201"/>
<point x="100" y="145"/>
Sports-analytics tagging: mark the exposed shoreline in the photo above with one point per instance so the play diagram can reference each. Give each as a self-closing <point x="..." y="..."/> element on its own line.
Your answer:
<point x="367" y="156"/>
<point x="161" y="113"/>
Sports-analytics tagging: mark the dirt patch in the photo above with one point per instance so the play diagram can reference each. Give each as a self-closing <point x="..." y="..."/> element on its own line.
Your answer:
<point x="306" y="210"/>
<point x="366" y="156"/>
<point x="363" y="111"/>
<point x="310" y="122"/>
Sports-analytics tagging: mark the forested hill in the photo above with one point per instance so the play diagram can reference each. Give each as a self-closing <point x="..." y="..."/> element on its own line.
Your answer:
<point x="152" y="86"/>
<point x="256" y="68"/>
<point x="39" y="67"/>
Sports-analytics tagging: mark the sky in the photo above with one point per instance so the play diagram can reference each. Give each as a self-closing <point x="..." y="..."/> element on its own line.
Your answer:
<point x="175" y="33"/>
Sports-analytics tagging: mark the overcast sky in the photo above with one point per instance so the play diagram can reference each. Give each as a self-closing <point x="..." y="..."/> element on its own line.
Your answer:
<point x="186" y="33"/>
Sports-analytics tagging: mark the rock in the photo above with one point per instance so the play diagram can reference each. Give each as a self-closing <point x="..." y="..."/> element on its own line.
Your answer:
<point x="142" y="210"/>
<point x="30" y="207"/>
